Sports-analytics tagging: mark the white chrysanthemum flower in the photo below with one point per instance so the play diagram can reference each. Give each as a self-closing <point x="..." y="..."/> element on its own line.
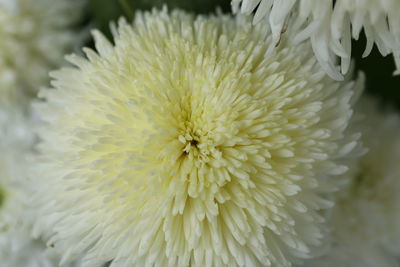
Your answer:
<point x="330" y="26"/>
<point x="366" y="220"/>
<point x="182" y="145"/>
<point x="35" y="35"/>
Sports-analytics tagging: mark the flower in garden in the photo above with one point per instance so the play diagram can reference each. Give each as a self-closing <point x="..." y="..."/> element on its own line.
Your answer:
<point x="366" y="221"/>
<point x="330" y="26"/>
<point x="35" y="35"/>
<point x="183" y="145"/>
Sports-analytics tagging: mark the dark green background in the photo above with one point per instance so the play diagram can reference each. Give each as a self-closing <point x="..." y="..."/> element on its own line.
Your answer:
<point x="378" y="69"/>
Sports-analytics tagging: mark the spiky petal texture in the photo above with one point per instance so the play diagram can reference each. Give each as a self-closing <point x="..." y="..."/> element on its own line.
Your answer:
<point x="366" y="220"/>
<point x="182" y="145"/>
<point x="330" y="27"/>
<point x="35" y="35"/>
<point x="380" y="21"/>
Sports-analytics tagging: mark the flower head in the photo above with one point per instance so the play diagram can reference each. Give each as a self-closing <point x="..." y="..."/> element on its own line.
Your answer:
<point x="330" y="27"/>
<point x="183" y="145"/>
<point x="34" y="34"/>
<point x="366" y="219"/>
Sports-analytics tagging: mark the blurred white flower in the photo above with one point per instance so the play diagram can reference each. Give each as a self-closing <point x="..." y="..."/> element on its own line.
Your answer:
<point x="330" y="26"/>
<point x="182" y="145"/>
<point x="35" y="35"/>
<point x="17" y="248"/>
<point x="366" y="221"/>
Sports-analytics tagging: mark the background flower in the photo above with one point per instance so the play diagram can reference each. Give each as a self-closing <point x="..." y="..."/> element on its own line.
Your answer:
<point x="366" y="219"/>
<point x="35" y="35"/>
<point x="17" y="248"/>
<point x="17" y="214"/>
<point x="184" y="143"/>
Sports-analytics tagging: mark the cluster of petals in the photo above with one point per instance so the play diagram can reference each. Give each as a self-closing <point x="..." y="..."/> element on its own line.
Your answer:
<point x="181" y="145"/>
<point x="330" y="26"/>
